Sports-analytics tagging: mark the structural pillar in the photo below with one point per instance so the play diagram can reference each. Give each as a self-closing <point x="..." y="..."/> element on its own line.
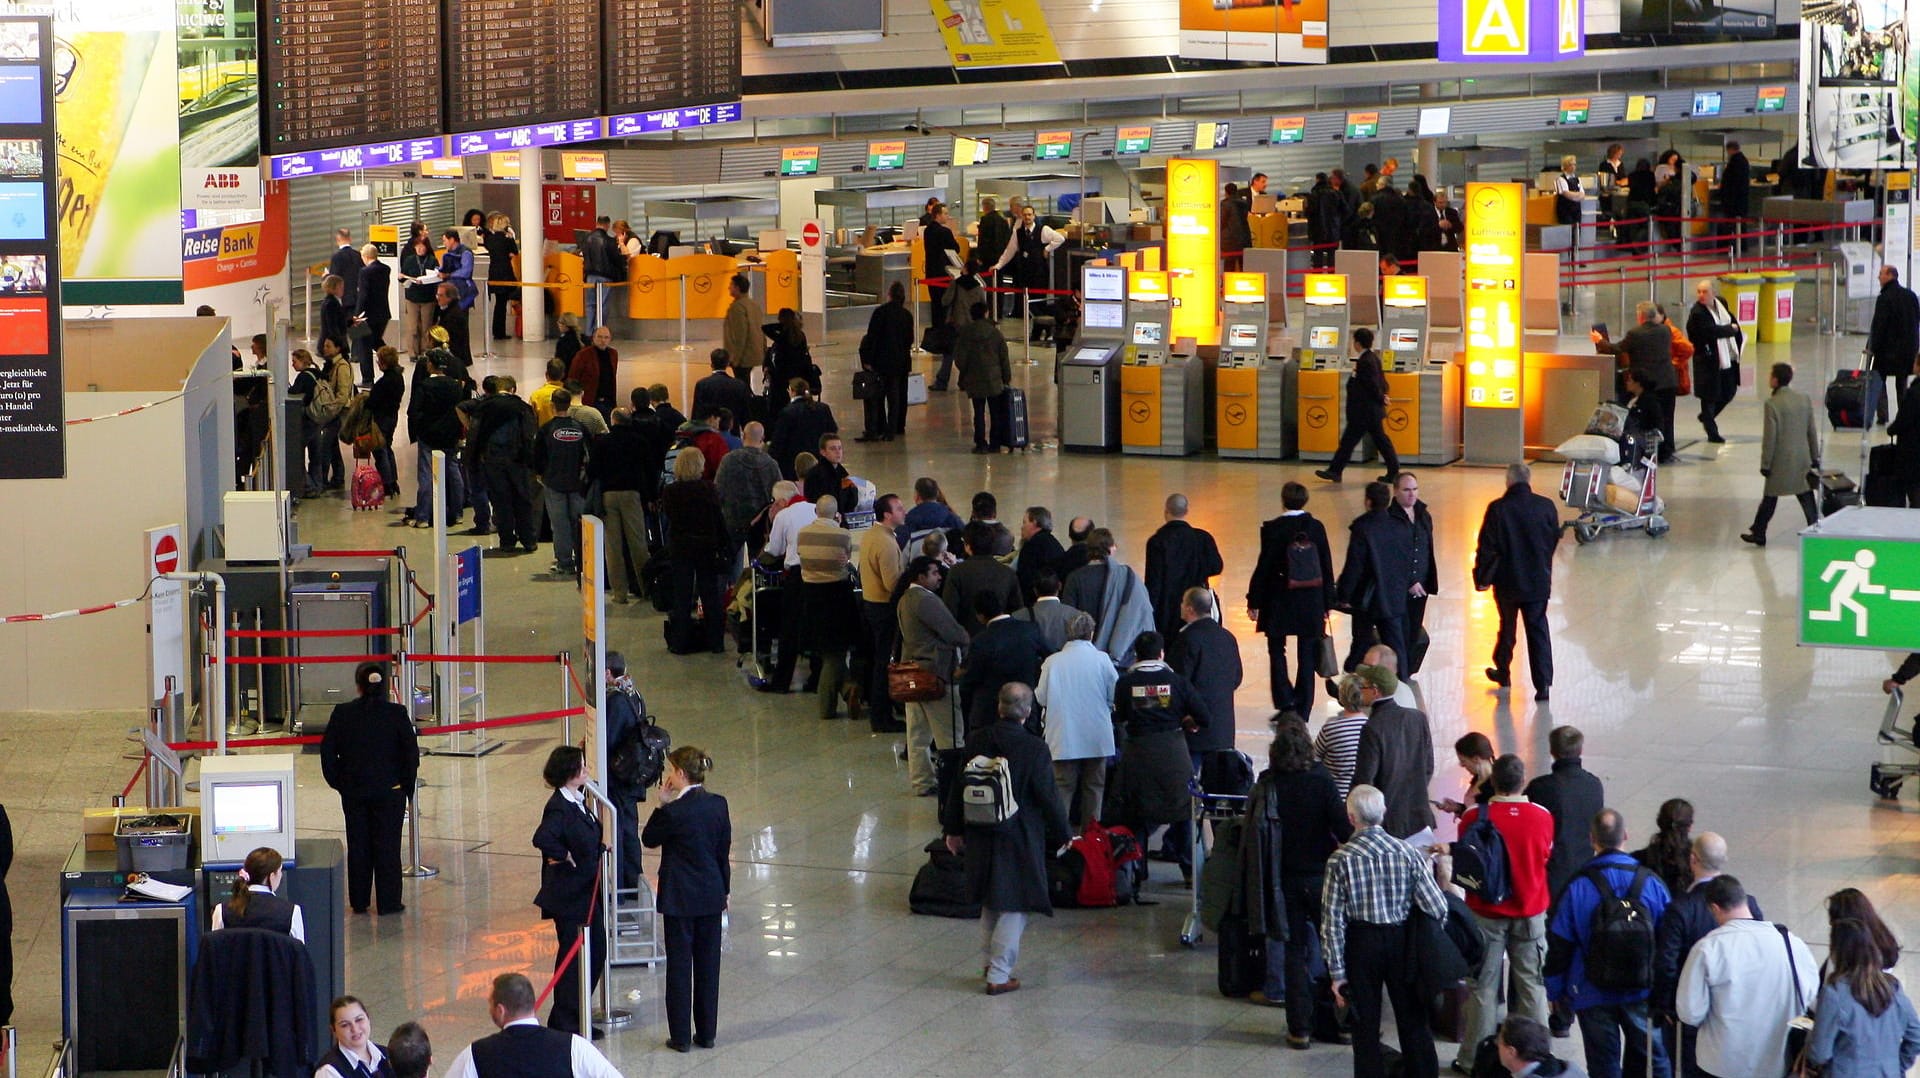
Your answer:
<point x="533" y="248"/>
<point x="1426" y="155"/>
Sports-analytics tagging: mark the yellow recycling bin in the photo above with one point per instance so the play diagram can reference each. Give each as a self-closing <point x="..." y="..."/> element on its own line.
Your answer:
<point x="1741" y="293"/>
<point x="1776" y="305"/>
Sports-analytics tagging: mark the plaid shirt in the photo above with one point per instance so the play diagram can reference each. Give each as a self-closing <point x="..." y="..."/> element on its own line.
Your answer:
<point x="1373" y="879"/>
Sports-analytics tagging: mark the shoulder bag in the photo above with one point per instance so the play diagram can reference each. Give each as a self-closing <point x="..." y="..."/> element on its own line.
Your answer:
<point x="1800" y="1026"/>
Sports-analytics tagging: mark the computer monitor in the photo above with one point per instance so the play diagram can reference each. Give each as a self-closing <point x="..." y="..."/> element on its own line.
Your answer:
<point x="1243" y="335"/>
<point x="1104" y="316"/>
<point x="1706" y="103"/>
<point x="1323" y="337"/>
<point x="245" y="802"/>
<point x="1104" y="282"/>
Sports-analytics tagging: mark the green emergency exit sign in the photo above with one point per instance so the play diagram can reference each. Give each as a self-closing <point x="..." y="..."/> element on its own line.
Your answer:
<point x="1860" y="580"/>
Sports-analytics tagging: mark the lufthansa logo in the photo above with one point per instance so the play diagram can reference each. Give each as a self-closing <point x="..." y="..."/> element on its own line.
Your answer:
<point x="1236" y="415"/>
<point x="703" y="284"/>
<point x="1398" y="419"/>
<point x="1317" y="417"/>
<point x="643" y="285"/>
<point x="1139" y="412"/>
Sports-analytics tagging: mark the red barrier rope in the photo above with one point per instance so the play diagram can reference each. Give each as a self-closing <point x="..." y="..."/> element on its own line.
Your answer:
<point x="573" y="952"/>
<point x="314" y="739"/>
<point x="353" y="553"/>
<point x="137" y="772"/>
<point x="419" y="658"/>
<point x="290" y="660"/>
<point x="296" y="634"/>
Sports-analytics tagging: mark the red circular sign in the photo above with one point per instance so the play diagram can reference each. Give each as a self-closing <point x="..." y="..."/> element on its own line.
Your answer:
<point x="810" y="234"/>
<point x="166" y="555"/>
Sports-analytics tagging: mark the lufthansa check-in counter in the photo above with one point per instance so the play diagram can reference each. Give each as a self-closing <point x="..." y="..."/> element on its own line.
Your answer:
<point x="1562" y="381"/>
<point x="1090" y="374"/>
<point x="1162" y="396"/>
<point x="1250" y="419"/>
<point x="1321" y="364"/>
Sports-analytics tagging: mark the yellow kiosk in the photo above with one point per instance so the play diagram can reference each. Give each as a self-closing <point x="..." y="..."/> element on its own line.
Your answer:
<point x="1423" y="398"/>
<point x="1250" y="416"/>
<point x="1161" y="395"/>
<point x="1322" y="362"/>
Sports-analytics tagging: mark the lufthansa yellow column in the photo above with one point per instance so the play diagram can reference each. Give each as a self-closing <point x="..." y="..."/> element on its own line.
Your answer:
<point x="1193" y="247"/>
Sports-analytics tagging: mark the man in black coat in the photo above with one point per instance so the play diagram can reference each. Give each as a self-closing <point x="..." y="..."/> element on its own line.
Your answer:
<point x="373" y="309"/>
<point x="1736" y="184"/>
<point x="1366" y="412"/>
<point x="1206" y="654"/>
<point x="722" y="390"/>
<point x="500" y="448"/>
<point x="1575" y="796"/>
<point x="1007" y="864"/>
<point x="1040" y="550"/>
<point x="1515" y="558"/>
<point x="1377" y="577"/>
<point x="1893" y="337"/>
<point x="1004" y="650"/>
<point x="625" y="710"/>
<point x="980" y="573"/>
<point x="1648" y="350"/>
<point x="1395" y="756"/>
<point x="1179" y="556"/>
<point x="450" y="316"/>
<point x="1289" y="595"/>
<point x="345" y="264"/>
<point x="1413" y="522"/>
<point x="1390" y="222"/>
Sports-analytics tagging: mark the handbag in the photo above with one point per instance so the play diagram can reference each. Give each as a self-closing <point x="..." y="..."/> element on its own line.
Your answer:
<point x="1800" y="1026"/>
<point x="937" y="338"/>
<point x="1329" y="666"/>
<point x="867" y="385"/>
<point x="912" y="683"/>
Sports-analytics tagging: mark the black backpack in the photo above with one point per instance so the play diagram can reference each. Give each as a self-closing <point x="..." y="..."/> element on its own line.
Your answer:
<point x="1619" y="935"/>
<point x="1303" y="563"/>
<point x="1480" y="863"/>
<point x="637" y="760"/>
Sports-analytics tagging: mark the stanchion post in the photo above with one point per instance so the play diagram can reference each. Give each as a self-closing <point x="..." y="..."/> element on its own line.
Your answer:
<point x="486" y="324"/>
<point x="683" y="321"/>
<point x="566" y="699"/>
<point x="415" y="869"/>
<point x="10" y="1044"/>
<point x="586" y="975"/>
<point x="1026" y="323"/>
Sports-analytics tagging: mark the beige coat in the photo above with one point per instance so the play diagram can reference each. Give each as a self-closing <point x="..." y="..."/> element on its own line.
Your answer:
<point x="741" y="337"/>
<point x="1789" y="442"/>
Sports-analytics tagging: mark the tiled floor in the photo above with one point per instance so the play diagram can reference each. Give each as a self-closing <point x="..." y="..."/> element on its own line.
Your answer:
<point x="1677" y="656"/>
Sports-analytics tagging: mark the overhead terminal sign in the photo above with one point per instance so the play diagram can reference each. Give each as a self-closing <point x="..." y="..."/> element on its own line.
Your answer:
<point x="1514" y="31"/>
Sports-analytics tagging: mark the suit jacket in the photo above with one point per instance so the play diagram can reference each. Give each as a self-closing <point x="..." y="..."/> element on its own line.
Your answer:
<point x="570" y="845"/>
<point x="740" y="333"/>
<point x="1575" y="796"/>
<point x="1286" y="610"/>
<point x="370" y="749"/>
<point x="1379" y="567"/>
<point x="1006" y="650"/>
<point x="1205" y="652"/>
<point x="1007" y="865"/>
<point x="1043" y="551"/>
<point x="453" y="319"/>
<point x="345" y="264"/>
<point x="1648" y="350"/>
<point x="251" y="996"/>
<point x="1789" y="442"/>
<point x="334" y="319"/>
<point x="1179" y="556"/>
<point x="1736" y="182"/>
<point x="974" y="576"/>
<point x="1396" y="757"/>
<point x="723" y="390"/>
<point x="694" y="835"/>
<point x="1517" y="540"/>
<point x="1686" y="922"/>
<point x="1050" y="617"/>
<point x="1894" y="335"/>
<point x="376" y="287"/>
<point x="928" y="632"/>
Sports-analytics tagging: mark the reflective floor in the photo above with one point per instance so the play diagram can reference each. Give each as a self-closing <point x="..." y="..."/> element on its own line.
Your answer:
<point x="1677" y="656"/>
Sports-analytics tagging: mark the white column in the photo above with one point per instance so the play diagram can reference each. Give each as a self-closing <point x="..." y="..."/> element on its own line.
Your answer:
<point x="533" y="248"/>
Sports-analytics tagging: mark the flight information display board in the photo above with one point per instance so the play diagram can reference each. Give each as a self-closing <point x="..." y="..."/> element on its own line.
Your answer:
<point x="330" y="74"/>
<point x="515" y="62"/>
<point x="669" y="53"/>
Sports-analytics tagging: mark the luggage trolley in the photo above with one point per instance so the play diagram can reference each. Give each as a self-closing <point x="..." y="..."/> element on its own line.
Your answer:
<point x="1886" y="778"/>
<point x="1635" y="469"/>
<point x="756" y="658"/>
<point x="1206" y="807"/>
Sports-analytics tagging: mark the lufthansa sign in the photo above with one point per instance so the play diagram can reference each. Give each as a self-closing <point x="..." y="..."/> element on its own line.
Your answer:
<point x="1477" y="31"/>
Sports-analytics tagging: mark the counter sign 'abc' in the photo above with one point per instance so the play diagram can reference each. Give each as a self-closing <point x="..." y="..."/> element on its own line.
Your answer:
<point x="1511" y="30"/>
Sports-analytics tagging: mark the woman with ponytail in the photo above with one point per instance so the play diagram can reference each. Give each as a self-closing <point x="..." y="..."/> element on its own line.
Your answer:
<point x="256" y="903"/>
<point x="694" y="835"/>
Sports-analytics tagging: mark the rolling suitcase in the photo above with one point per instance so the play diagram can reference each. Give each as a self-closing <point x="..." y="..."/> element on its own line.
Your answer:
<point x="1243" y="958"/>
<point x="1837" y="492"/>
<point x="1847" y="400"/>
<point x="1882" y="487"/>
<point x="367" y="491"/>
<point x="1017" y="434"/>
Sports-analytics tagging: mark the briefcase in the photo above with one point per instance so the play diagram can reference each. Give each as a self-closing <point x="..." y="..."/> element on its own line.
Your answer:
<point x="912" y="683"/>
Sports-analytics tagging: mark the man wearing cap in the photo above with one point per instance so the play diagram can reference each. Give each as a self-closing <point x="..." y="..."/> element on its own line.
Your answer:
<point x="1395" y="756"/>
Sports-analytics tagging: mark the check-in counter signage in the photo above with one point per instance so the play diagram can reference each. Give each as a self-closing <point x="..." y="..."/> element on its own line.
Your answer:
<point x="1771" y="99"/>
<point x="1243" y="287"/>
<point x="503" y="166"/>
<point x="1512" y="31"/>
<point x="1193" y="247"/>
<point x="1053" y="146"/>
<point x="1133" y="140"/>
<point x="1403" y="291"/>
<point x="583" y="165"/>
<point x="1287" y="130"/>
<point x="799" y="160"/>
<point x="886" y="156"/>
<point x="444" y="168"/>
<point x="1495" y="239"/>
<point x="1363" y="125"/>
<point x="1325" y="289"/>
<point x="1148" y="286"/>
<point x="1575" y="110"/>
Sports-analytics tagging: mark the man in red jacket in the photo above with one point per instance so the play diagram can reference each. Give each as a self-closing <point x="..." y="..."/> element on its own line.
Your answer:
<point x="1517" y="927"/>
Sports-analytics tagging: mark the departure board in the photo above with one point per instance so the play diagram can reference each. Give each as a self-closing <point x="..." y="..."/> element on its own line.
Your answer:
<point x="515" y="62"/>
<point x="664" y="54"/>
<point x="342" y="72"/>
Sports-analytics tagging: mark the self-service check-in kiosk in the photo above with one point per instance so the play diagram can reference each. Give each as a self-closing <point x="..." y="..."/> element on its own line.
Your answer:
<point x="1249" y="390"/>
<point x="1090" y="374"/>
<point x="1162" y="396"/>
<point x="1423" y="399"/>
<point x="1322" y="361"/>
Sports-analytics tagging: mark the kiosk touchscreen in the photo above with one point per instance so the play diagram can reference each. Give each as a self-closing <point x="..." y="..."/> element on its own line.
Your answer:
<point x="1403" y="322"/>
<point x="245" y="802"/>
<point x="1243" y="317"/>
<point x="1149" y="310"/>
<point x="1327" y="321"/>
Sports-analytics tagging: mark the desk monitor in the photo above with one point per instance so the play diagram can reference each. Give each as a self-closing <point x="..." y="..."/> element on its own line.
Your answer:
<point x="1706" y="103"/>
<point x="1243" y="335"/>
<point x="245" y="802"/>
<point x="245" y="808"/>
<point x="1093" y="355"/>
<point x="1104" y="315"/>
<point x="1148" y="332"/>
<point x="1323" y="338"/>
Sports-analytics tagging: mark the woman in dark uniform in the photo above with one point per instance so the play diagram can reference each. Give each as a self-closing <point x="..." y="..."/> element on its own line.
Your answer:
<point x="694" y="834"/>
<point x="570" y="844"/>
<point x="371" y="755"/>
<point x="255" y="902"/>
<point x="355" y="1054"/>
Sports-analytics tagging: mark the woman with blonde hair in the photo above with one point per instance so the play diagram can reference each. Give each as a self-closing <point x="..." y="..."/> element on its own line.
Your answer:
<point x="502" y="248"/>
<point x="694" y="835"/>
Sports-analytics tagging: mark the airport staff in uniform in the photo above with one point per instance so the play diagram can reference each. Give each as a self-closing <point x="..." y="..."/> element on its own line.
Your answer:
<point x="694" y="834"/>
<point x="371" y="755"/>
<point x="1029" y="254"/>
<point x="569" y="841"/>
<point x="255" y="904"/>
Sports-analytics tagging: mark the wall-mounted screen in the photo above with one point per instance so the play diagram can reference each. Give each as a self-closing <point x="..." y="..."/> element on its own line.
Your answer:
<point x="970" y="151"/>
<point x="1771" y="99"/>
<point x="1104" y="283"/>
<point x="1363" y="125"/>
<point x="1435" y="122"/>
<point x="886" y="156"/>
<point x="1209" y="135"/>
<point x="583" y="165"/>
<point x="1706" y="103"/>
<point x="1575" y="110"/>
<point x="1053" y="146"/>
<point x="1131" y="140"/>
<point x="1287" y="129"/>
<point x="799" y="160"/>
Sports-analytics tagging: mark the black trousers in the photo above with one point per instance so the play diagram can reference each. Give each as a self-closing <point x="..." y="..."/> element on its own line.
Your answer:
<point x="1376" y="960"/>
<point x="1416" y="628"/>
<point x="1710" y="409"/>
<point x="1880" y="409"/>
<point x="792" y="621"/>
<point x="1391" y="632"/>
<point x="627" y="827"/>
<point x="1763" y="516"/>
<point x="510" y="488"/>
<point x="373" y="848"/>
<point x="691" y="583"/>
<point x="365" y="347"/>
<point x="1669" y="398"/>
<point x="1373" y="426"/>
<point x="498" y="298"/>
<point x="565" y="1015"/>
<point x="1539" y="644"/>
<point x="881" y="626"/>
<point x="1293" y="690"/>
<point x="693" y="977"/>
<point x="990" y="420"/>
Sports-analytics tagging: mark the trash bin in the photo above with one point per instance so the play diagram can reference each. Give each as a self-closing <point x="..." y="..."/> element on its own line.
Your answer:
<point x="1741" y="293"/>
<point x="1776" y="305"/>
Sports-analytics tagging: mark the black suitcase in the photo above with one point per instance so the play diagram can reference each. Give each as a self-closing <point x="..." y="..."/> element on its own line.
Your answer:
<point x="1847" y="400"/>
<point x="1017" y="433"/>
<point x="1243" y="958"/>
<point x="1837" y="492"/>
<point x="656" y="577"/>
<point x="940" y="887"/>
<point x="1882" y="487"/>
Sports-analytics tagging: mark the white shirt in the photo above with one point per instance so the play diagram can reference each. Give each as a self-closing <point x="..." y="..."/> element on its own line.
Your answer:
<point x="786" y="528"/>
<point x="587" y="1060"/>
<point x="1076" y="688"/>
<point x="1736" y="987"/>
<point x="298" y="932"/>
<point x="1048" y="236"/>
<point x="328" y="1070"/>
